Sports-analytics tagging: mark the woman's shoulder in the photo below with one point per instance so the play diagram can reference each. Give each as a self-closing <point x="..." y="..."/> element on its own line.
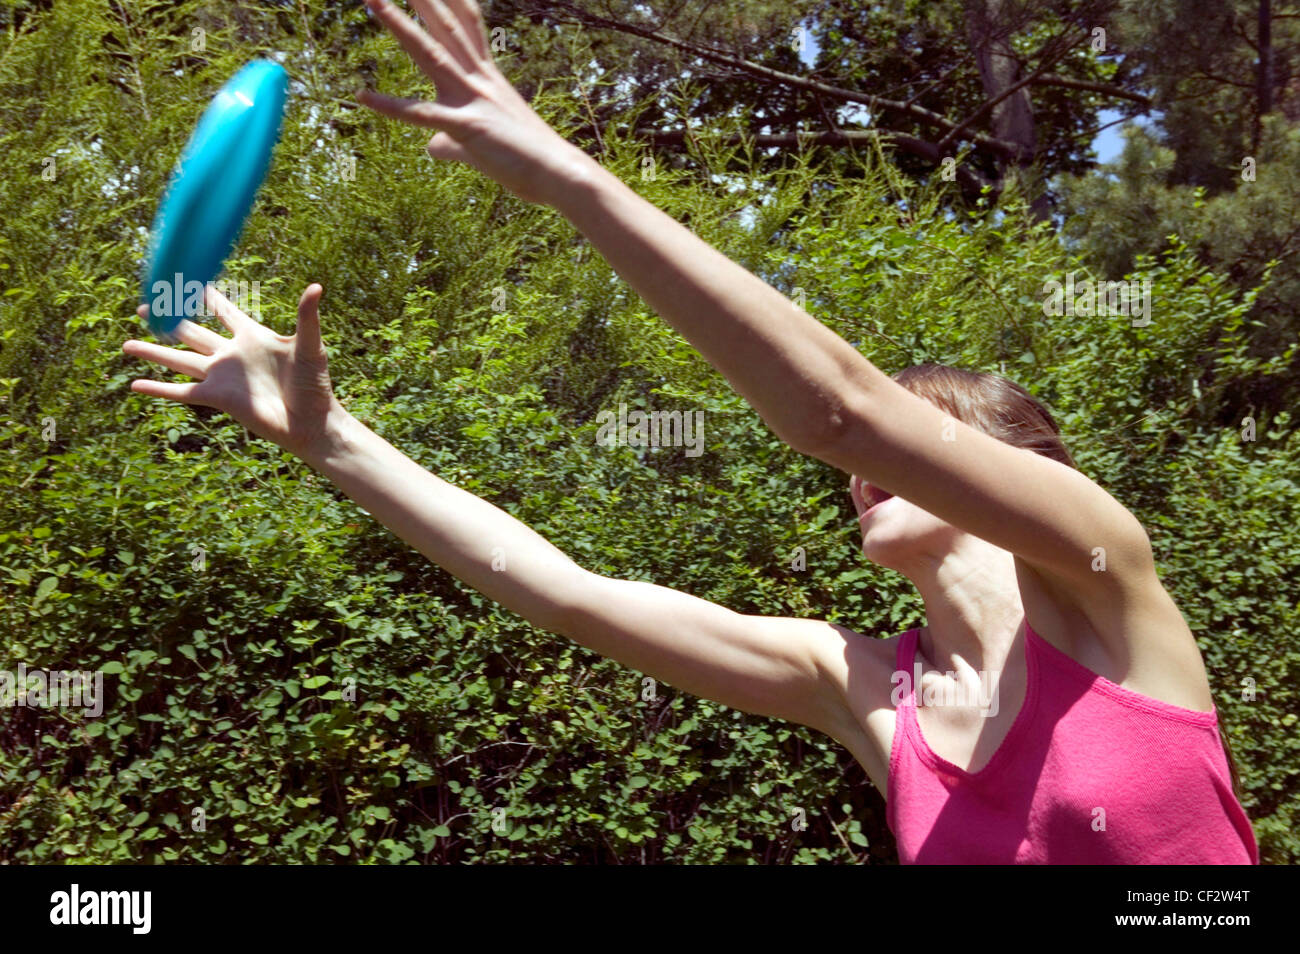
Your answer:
<point x="872" y="662"/>
<point x="1141" y="644"/>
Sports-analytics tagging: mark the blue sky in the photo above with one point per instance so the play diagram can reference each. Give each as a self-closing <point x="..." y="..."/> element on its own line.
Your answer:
<point x="1110" y="143"/>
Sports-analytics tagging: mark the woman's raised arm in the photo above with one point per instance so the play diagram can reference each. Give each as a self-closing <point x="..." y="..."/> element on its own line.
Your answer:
<point x="813" y="389"/>
<point x="780" y="358"/>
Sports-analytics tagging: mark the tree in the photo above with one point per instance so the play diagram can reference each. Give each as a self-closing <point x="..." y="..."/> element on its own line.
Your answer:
<point x="998" y="85"/>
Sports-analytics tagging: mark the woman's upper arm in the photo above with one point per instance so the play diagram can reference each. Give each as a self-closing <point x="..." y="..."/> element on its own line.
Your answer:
<point x="787" y="668"/>
<point x="1047" y="513"/>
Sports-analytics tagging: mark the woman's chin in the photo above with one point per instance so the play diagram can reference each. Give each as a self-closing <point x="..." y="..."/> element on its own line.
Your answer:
<point x="881" y="551"/>
<point x="900" y="545"/>
<point x="892" y="544"/>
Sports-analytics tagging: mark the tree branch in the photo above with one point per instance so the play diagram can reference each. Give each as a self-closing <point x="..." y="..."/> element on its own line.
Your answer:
<point x="1050" y="79"/>
<point x="875" y="103"/>
<point x="1050" y="57"/>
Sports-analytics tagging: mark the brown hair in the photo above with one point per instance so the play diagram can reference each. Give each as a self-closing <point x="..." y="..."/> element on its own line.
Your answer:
<point x="1005" y="410"/>
<point x="989" y="403"/>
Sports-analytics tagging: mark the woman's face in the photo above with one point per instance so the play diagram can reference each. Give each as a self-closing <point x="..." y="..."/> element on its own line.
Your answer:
<point x="896" y="533"/>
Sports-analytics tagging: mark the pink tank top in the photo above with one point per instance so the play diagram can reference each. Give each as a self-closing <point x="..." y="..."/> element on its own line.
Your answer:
<point x="1090" y="773"/>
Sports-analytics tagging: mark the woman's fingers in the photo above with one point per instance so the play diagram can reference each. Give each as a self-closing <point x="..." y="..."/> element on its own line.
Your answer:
<point x="447" y="31"/>
<point x="183" y="362"/>
<point x="434" y="61"/>
<point x="185" y="393"/>
<point x="234" y="319"/>
<point x="414" y="111"/>
<point x="201" y="339"/>
<point x="306" y="337"/>
<point x="471" y="20"/>
<point x="443" y="146"/>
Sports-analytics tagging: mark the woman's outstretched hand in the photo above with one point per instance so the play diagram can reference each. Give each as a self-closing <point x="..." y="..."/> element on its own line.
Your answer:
<point x="277" y="387"/>
<point x="480" y="118"/>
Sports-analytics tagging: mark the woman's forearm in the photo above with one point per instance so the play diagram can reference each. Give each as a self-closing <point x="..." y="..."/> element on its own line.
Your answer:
<point x="789" y="366"/>
<point x="796" y="372"/>
<point x="476" y="542"/>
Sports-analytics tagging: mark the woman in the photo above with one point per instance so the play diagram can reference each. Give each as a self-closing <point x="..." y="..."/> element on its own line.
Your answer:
<point x="1086" y="736"/>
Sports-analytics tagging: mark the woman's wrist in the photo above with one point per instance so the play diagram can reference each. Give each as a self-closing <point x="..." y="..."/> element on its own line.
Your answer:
<point x="336" y="441"/>
<point x="573" y="178"/>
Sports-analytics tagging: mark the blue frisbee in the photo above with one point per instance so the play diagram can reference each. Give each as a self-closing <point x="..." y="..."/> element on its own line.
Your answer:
<point x="211" y="192"/>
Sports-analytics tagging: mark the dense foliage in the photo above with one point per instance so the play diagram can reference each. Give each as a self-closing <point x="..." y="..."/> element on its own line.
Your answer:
<point x="288" y="682"/>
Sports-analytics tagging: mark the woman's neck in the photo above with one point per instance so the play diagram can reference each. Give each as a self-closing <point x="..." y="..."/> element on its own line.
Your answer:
<point x="972" y="604"/>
